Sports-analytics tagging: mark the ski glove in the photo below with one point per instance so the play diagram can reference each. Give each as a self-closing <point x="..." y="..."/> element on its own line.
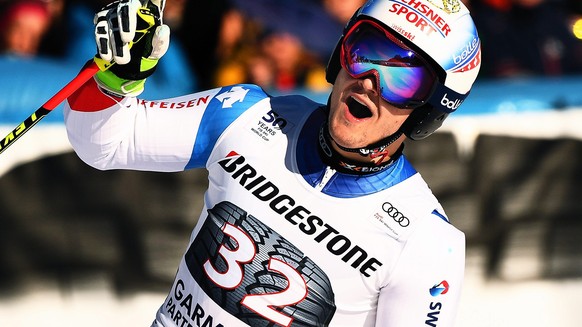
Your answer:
<point x="130" y="38"/>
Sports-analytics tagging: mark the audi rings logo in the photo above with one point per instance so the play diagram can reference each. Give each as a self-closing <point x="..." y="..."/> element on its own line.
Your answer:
<point x="398" y="217"/>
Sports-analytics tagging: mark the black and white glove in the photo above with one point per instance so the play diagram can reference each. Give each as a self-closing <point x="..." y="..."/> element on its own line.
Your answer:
<point x="131" y="38"/>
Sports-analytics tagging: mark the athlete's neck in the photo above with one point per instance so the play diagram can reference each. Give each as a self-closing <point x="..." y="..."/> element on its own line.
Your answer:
<point x="377" y="156"/>
<point x="354" y="162"/>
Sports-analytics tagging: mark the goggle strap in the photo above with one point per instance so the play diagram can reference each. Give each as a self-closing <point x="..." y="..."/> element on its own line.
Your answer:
<point x="446" y="99"/>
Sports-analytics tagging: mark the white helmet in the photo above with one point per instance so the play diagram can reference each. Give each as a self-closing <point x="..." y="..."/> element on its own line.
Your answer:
<point x="442" y="32"/>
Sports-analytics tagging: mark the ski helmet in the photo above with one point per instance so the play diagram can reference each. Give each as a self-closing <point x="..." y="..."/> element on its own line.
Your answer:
<point x="442" y="32"/>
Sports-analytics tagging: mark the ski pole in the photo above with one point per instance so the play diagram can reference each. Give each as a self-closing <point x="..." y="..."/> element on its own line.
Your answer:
<point x="84" y="75"/>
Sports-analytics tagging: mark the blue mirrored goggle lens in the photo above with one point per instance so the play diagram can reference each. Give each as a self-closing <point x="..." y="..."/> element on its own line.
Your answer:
<point x="404" y="79"/>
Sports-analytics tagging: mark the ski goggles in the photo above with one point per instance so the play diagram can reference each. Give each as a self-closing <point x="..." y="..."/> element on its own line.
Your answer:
<point x="404" y="79"/>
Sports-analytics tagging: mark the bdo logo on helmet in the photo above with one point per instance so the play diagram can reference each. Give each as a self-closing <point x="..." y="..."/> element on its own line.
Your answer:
<point x="451" y="104"/>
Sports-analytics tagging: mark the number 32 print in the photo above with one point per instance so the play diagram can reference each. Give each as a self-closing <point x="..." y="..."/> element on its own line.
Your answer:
<point x="255" y="274"/>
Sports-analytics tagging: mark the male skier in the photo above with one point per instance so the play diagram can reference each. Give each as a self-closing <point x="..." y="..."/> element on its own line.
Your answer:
<point x="313" y="215"/>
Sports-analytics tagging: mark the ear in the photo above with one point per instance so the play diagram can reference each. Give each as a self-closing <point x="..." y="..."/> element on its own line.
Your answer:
<point x="422" y="122"/>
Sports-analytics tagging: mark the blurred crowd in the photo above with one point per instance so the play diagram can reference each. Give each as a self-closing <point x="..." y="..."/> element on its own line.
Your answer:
<point x="284" y="45"/>
<point x="529" y="37"/>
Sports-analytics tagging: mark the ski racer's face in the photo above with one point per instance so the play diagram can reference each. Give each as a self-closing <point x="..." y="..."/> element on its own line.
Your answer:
<point x="358" y="114"/>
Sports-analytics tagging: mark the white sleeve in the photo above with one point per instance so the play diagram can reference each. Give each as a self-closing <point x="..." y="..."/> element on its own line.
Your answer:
<point x="157" y="135"/>
<point x="162" y="135"/>
<point x="128" y="136"/>
<point x="426" y="285"/>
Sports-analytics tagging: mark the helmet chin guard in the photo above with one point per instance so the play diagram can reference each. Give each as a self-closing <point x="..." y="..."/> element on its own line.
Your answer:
<point x="444" y="33"/>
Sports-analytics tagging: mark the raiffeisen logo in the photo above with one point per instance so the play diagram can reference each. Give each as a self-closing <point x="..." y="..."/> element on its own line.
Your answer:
<point x="440" y="289"/>
<point x="232" y="96"/>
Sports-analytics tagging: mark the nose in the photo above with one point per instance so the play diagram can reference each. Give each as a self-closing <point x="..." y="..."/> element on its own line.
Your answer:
<point x="368" y="83"/>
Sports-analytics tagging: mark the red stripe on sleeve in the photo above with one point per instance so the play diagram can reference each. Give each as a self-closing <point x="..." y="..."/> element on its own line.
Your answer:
<point x="89" y="98"/>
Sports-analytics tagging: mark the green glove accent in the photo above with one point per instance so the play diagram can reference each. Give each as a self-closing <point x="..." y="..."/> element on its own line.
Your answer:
<point x="118" y="86"/>
<point x="111" y="83"/>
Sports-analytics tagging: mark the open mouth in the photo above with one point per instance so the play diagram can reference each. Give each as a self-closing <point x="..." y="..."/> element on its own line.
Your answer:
<point x="358" y="109"/>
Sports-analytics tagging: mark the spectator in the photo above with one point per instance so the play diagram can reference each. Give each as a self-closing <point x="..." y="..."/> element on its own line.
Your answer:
<point x="526" y="38"/>
<point x="276" y="60"/>
<point x="199" y="34"/>
<point x="342" y="10"/>
<point x="293" y="66"/>
<point x="261" y="71"/>
<point x="174" y="13"/>
<point x="22" y="26"/>
<point x="236" y="41"/>
<point x="71" y="30"/>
